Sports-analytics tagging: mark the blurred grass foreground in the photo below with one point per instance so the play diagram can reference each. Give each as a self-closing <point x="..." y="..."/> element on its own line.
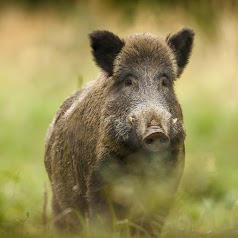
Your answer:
<point x="45" y="55"/>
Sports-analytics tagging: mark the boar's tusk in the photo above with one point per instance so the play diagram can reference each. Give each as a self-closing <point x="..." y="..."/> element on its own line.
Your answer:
<point x="175" y="120"/>
<point x="132" y="120"/>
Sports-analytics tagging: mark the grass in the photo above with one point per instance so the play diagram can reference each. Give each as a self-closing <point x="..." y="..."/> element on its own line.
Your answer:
<point x="50" y="58"/>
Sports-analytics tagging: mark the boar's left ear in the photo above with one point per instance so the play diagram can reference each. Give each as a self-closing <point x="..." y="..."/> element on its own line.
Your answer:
<point x="182" y="44"/>
<point x="105" y="47"/>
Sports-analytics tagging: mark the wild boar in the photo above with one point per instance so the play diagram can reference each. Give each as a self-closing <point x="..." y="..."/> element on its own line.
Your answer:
<point x="115" y="149"/>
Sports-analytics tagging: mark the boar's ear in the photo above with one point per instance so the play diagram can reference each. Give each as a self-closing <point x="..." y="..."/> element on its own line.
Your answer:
<point x="105" y="47"/>
<point x="181" y="44"/>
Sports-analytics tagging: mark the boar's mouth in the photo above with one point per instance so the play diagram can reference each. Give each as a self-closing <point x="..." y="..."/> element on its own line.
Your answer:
<point x="155" y="140"/>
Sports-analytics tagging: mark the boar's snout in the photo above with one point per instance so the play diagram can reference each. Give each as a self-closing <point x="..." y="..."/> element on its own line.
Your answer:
<point x="155" y="140"/>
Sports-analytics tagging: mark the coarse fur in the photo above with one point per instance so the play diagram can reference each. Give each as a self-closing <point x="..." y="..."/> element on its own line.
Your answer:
<point x="95" y="142"/>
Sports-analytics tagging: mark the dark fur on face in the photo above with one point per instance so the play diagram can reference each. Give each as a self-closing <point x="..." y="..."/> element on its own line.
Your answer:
<point x="95" y="145"/>
<point x="149" y="64"/>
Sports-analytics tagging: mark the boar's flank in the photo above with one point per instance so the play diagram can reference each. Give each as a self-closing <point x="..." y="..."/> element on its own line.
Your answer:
<point x="115" y="149"/>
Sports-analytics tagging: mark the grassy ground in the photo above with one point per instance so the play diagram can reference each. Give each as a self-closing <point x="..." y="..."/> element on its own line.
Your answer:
<point x="44" y="57"/>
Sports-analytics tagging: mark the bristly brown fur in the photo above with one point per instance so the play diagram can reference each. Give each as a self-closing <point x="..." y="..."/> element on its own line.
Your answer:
<point x="96" y="139"/>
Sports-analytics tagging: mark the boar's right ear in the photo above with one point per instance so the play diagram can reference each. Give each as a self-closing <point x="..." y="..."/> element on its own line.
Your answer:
<point x="105" y="47"/>
<point x="181" y="44"/>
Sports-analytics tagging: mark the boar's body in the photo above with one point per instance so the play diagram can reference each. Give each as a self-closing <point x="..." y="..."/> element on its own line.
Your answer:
<point x="122" y="135"/>
<point x="73" y="150"/>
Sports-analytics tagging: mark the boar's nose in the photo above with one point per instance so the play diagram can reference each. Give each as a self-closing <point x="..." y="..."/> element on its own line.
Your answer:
<point x="155" y="140"/>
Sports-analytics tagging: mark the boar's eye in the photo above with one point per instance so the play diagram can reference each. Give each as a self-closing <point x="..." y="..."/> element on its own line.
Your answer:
<point x="128" y="80"/>
<point x="165" y="81"/>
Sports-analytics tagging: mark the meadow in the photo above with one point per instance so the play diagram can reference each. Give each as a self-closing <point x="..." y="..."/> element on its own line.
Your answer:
<point x="45" y="56"/>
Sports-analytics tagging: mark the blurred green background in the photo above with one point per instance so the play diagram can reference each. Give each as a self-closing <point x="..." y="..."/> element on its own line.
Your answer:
<point x="45" y="56"/>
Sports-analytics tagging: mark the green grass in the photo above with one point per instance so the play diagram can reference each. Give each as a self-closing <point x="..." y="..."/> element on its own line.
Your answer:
<point x="51" y="61"/>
